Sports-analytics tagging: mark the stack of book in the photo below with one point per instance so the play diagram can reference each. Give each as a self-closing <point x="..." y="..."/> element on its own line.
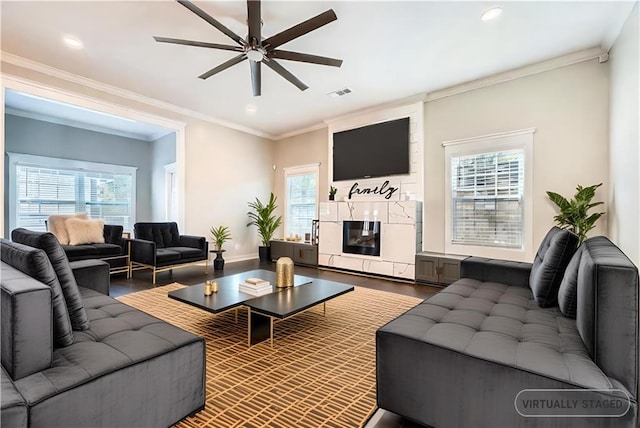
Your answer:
<point x="255" y="286"/>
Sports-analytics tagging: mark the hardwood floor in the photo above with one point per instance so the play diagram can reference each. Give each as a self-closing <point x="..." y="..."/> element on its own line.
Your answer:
<point x="141" y="280"/>
<point x="191" y="275"/>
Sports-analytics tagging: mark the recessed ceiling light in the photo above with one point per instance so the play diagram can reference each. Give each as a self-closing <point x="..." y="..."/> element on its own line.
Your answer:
<point x="251" y="109"/>
<point x="490" y="14"/>
<point x="72" y="42"/>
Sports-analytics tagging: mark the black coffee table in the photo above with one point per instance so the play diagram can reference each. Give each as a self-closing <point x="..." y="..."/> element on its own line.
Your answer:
<point x="280" y="303"/>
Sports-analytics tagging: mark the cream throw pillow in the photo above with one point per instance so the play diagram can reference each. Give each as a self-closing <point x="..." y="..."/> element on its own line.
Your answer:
<point x="56" y="225"/>
<point x="85" y="231"/>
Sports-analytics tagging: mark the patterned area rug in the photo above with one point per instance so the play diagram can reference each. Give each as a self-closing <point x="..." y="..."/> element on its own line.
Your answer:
<point x="320" y="372"/>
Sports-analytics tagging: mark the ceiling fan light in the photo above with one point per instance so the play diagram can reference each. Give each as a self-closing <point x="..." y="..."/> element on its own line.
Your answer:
<point x="255" y="55"/>
<point x="490" y="14"/>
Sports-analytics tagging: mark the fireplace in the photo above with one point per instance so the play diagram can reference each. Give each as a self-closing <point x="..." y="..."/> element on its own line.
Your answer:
<point x="361" y="237"/>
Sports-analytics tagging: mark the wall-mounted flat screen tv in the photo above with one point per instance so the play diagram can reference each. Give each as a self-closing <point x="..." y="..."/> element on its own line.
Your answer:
<point x="372" y="151"/>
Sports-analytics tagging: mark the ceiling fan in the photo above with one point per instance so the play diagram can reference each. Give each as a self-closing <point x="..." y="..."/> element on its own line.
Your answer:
<point x="257" y="50"/>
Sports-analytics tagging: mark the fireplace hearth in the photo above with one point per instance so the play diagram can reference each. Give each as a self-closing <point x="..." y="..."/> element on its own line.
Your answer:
<point x="361" y="237"/>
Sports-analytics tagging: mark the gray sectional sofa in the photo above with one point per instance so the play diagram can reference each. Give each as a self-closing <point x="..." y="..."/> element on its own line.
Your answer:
<point x="74" y="357"/>
<point x="464" y="357"/>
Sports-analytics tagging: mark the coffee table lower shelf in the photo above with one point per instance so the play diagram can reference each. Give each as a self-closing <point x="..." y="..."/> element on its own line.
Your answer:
<point x="260" y="326"/>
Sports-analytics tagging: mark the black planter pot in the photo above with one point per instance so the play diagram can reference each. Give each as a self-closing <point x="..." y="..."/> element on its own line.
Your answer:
<point x="332" y="197"/>
<point x="218" y="262"/>
<point x="264" y="253"/>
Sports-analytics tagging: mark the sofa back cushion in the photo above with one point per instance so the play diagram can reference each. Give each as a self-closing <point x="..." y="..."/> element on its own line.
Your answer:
<point x="164" y="234"/>
<point x="607" y="310"/>
<point x="551" y="260"/>
<point x="568" y="292"/>
<point x="113" y="234"/>
<point x="35" y="263"/>
<point x="50" y="245"/>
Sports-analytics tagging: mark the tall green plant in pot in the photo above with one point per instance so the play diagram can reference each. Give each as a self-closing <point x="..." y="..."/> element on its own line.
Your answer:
<point x="262" y="216"/>
<point x="574" y="214"/>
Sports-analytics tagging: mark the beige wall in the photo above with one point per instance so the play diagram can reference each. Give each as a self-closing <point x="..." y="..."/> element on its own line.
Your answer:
<point x="300" y="150"/>
<point x="624" y="143"/>
<point x="223" y="168"/>
<point x="568" y="108"/>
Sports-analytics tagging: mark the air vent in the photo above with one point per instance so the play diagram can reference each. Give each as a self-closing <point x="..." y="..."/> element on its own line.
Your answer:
<point x="339" y="92"/>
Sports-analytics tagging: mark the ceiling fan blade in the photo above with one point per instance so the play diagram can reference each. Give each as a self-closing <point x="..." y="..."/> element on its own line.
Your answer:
<point x="256" y="78"/>
<point x="204" y="15"/>
<point x="297" y="56"/>
<point x="300" y="29"/>
<point x="198" y="44"/>
<point x="254" y="21"/>
<point x="223" y="66"/>
<point x="272" y="64"/>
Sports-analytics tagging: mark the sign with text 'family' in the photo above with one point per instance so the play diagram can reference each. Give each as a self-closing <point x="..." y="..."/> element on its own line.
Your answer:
<point x="371" y="191"/>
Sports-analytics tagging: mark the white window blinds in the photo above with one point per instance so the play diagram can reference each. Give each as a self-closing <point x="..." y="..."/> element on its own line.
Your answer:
<point x="487" y="199"/>
<point x="301" y="185"/>
<point x="45" y="189"/>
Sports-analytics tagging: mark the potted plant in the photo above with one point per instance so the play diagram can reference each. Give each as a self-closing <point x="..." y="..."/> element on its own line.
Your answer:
<point x="220" y="234"/>
<point x="332" y="193"/>
<point x="263" y="218"/>
<point x="574" y="214"/>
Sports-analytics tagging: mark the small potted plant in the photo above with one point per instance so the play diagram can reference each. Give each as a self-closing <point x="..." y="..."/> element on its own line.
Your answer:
<point x="332" y="193"/>
<point x="263" y="218"/>
<point x="221" y="234"/>
<point x="574" y="214"/>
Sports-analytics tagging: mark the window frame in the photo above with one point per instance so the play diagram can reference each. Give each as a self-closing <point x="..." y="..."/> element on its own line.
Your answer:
<point x="514" y="140"/>
<point x="23" y="159"/>
<point x="300" y="170"/>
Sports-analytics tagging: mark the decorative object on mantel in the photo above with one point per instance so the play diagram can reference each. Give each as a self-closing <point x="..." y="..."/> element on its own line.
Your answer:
<point x="574" y="214"/>
<point x="332" y="193"/>
<point x="262" y="217"/>
<point x="284" y="272"/>
<point x="220" y="234"/>
<point x="383" y="190"/>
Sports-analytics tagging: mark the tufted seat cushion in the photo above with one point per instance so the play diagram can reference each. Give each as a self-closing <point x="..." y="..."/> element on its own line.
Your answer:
<point x="501" y="323"/>
<point x="119" y="336"/>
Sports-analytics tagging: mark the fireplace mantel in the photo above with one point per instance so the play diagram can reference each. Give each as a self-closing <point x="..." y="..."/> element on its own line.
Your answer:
<point x="400" y="236"/>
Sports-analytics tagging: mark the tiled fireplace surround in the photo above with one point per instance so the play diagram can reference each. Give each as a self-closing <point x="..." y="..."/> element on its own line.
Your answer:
<point x="400" y="236"/>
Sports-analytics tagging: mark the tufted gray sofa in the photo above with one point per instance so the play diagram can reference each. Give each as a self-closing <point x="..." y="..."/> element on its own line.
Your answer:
<point x="462" y="357"/>
<point x="74" y="357"/>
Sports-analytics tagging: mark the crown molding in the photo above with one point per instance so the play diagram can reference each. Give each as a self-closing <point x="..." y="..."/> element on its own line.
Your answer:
<point x="306" y="130"/>
<point x="517" y="73"/>
<point x="123" y="93"/>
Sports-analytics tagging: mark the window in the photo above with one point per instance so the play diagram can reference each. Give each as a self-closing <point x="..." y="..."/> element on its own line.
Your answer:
<point x="487" y="199"/>
<point x="301" y="199"/>
<point x="41" y="186"/>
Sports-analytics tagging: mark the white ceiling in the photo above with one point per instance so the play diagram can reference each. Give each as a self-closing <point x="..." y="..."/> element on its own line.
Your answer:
<point x="391" y="49"/>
